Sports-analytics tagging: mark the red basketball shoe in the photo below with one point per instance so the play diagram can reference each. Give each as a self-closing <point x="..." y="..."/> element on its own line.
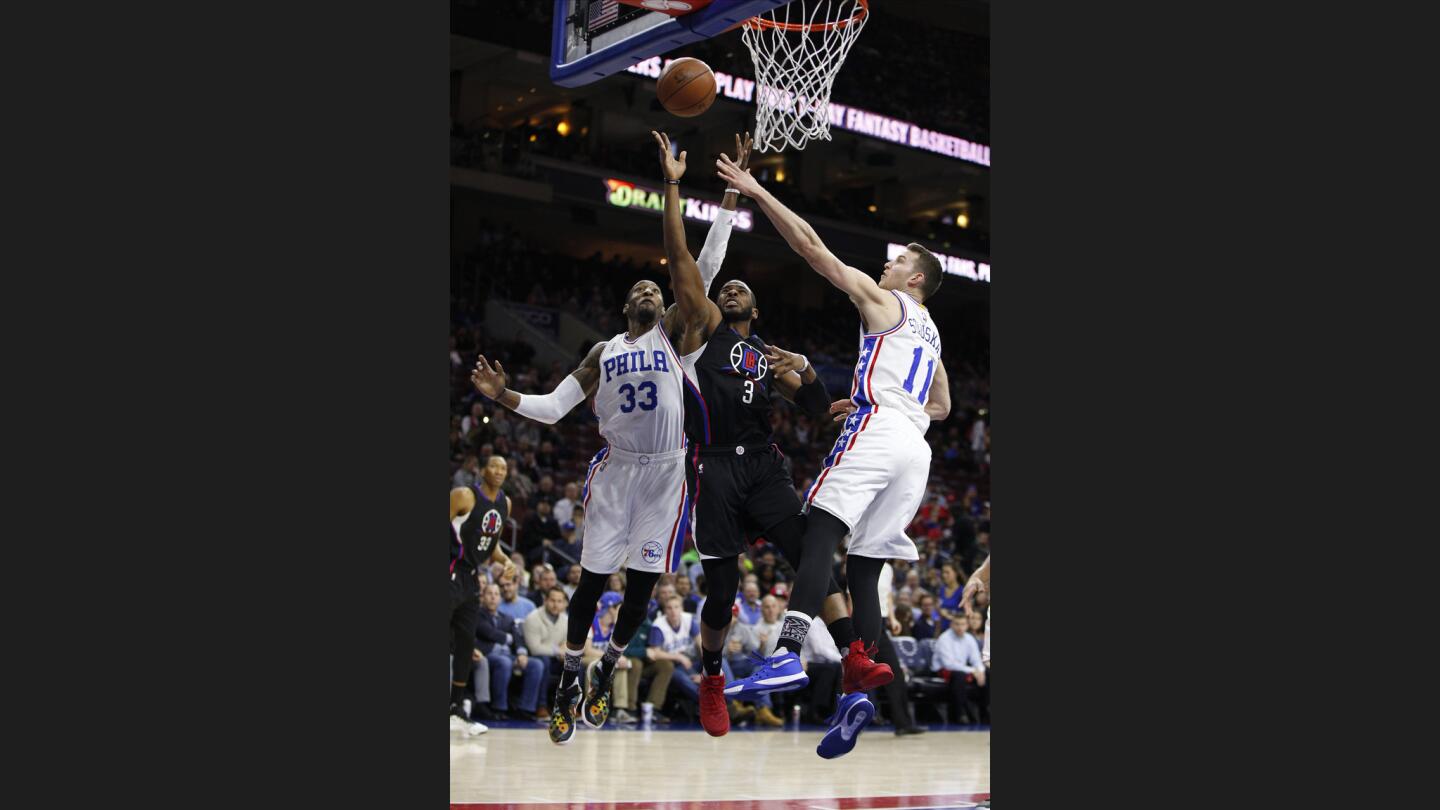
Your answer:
<point x="861" y="673"/>
<point x="714" y="714"/>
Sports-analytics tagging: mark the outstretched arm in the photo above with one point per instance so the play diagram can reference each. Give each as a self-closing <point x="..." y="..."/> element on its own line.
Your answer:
<point x="712" y="255"/>
<point x="694" y="309"/>
<point x="878" y="308"/>
<point x="571" y="391"/>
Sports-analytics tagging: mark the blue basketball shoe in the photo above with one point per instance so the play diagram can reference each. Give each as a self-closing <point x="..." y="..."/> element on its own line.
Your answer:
<point x="780" y="672"/>
<point x="851" y="716"/>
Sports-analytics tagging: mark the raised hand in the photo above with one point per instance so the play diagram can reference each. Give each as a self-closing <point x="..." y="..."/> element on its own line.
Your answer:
<point x="742" y="152"/>
<point x="736" y="176"/>
<point x="489" y="381"/>
<point x="673" y="167"/>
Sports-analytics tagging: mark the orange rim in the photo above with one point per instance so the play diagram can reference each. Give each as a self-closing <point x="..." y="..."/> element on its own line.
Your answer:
<point x="759" y="22"/>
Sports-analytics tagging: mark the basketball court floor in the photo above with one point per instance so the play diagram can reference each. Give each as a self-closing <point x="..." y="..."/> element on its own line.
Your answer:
<point x="513" y="766"/>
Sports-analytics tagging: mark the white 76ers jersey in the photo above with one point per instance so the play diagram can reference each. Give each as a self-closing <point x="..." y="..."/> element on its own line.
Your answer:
<point x="639" y="400"/>
<point x="896" y="367"/>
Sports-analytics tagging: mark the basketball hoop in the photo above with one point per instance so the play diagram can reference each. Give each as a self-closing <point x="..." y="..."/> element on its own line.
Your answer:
<point x="798" y="51"/>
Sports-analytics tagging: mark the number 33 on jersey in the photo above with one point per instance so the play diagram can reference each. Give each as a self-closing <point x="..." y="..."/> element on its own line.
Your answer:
<point x="637" y="379"/>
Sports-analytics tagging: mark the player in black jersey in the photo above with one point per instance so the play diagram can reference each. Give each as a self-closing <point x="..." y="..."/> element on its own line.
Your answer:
<point x="477" y="516"/>
<point x="742" y="482"/>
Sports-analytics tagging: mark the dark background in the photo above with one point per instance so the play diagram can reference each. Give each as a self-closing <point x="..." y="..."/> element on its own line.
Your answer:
<point x="231" y="331"/>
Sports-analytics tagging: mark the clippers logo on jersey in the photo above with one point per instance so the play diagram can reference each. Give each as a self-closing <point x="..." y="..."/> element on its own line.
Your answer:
<point x="747" y="360"/>
<point x="622" y="364"/>
<point x="490" y="522"/>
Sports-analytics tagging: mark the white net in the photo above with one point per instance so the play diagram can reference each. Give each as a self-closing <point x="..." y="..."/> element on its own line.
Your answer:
<point x="798" y="50"/>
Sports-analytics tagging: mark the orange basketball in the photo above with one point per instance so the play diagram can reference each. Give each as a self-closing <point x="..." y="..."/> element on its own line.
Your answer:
<point x="686" y="87"/>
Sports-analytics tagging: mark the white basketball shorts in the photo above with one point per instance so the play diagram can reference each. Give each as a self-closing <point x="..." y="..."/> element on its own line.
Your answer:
<point x="874" y="480"/>
<point x="637" y="509"/>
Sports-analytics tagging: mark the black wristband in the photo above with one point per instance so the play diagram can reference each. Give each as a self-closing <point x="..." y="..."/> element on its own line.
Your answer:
<point x="672" y="182"/>
<point x="812" y="398"/>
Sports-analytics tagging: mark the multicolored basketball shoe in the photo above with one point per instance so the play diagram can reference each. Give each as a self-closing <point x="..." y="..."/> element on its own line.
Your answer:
<point x="851" y="716"/>
<point x="562" y="713"/>
<point x="596" y="709"/>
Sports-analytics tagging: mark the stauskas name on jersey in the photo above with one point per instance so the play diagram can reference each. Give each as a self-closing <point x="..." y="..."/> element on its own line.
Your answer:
<point x="925" y="331"/>
<point x="621" y="364"/>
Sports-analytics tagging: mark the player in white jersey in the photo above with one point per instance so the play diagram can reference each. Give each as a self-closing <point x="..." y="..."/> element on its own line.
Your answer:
<point x="636" y="497"/>
<point x="874" y="479"/>
<point x="637" y="503"/>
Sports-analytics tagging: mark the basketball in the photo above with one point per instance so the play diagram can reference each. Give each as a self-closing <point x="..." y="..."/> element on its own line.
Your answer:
<point x="686" y="87"/>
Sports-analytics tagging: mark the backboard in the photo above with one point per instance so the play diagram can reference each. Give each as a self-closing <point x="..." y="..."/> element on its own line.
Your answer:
<point x="592" y="39"/>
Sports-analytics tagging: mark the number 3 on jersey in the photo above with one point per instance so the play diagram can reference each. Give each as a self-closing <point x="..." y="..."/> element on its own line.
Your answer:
<point x="749" y="392"/>
<point x="629" y="391"/>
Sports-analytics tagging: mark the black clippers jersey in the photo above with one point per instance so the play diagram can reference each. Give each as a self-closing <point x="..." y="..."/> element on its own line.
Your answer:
<point x="732" y="405"/>
<point x="480" y="530"/>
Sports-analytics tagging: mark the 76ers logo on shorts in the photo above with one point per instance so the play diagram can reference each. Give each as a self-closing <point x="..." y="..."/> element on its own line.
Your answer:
<point x="490" y="523"/>
<point x="650" y="552"/>
<point x="746" y="360"/>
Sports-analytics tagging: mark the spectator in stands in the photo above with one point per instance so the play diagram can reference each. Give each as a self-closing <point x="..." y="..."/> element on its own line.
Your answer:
<point x="568" y="549"/>
<point x="473" y="420"/>
<point x="912" y="580"/>
<point x="564" y="506"/>
<point x="524" y="575"/>
<point x="543" y="577"/>
<point x="572" y="580"/>
<point x="928" y="623"/>
<point x="957" y="659"/>
<point x="616" y="583"/>
<point x="528" y="433"/>
<point x="501" y="426"/>
<point x="512" y="604"/>
<point x="538" y="532"/>
<point x="577" y="516"/>
<point x="952" y="585"/>
<point x="689" y="600"/>
<point x="500" y="639"/>
<point x="545" y="637"/>
<point x="664" y="589"/>
<point x="904" y="614"/>
<point x="468" y="473"/>
<point x="673" y="652"/>
<point x="976" y="623"/>
<point x="749" y="603"/>
<point x="545" y="489"/>
<point x="546" y="459"/>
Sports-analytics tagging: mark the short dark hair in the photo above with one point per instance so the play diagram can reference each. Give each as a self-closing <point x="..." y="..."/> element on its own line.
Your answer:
<point x="930" y="266"/>
<point x="559" y="590"/>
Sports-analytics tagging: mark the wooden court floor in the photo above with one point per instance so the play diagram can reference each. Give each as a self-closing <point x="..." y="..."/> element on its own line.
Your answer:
<point x="639" y="769"/>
